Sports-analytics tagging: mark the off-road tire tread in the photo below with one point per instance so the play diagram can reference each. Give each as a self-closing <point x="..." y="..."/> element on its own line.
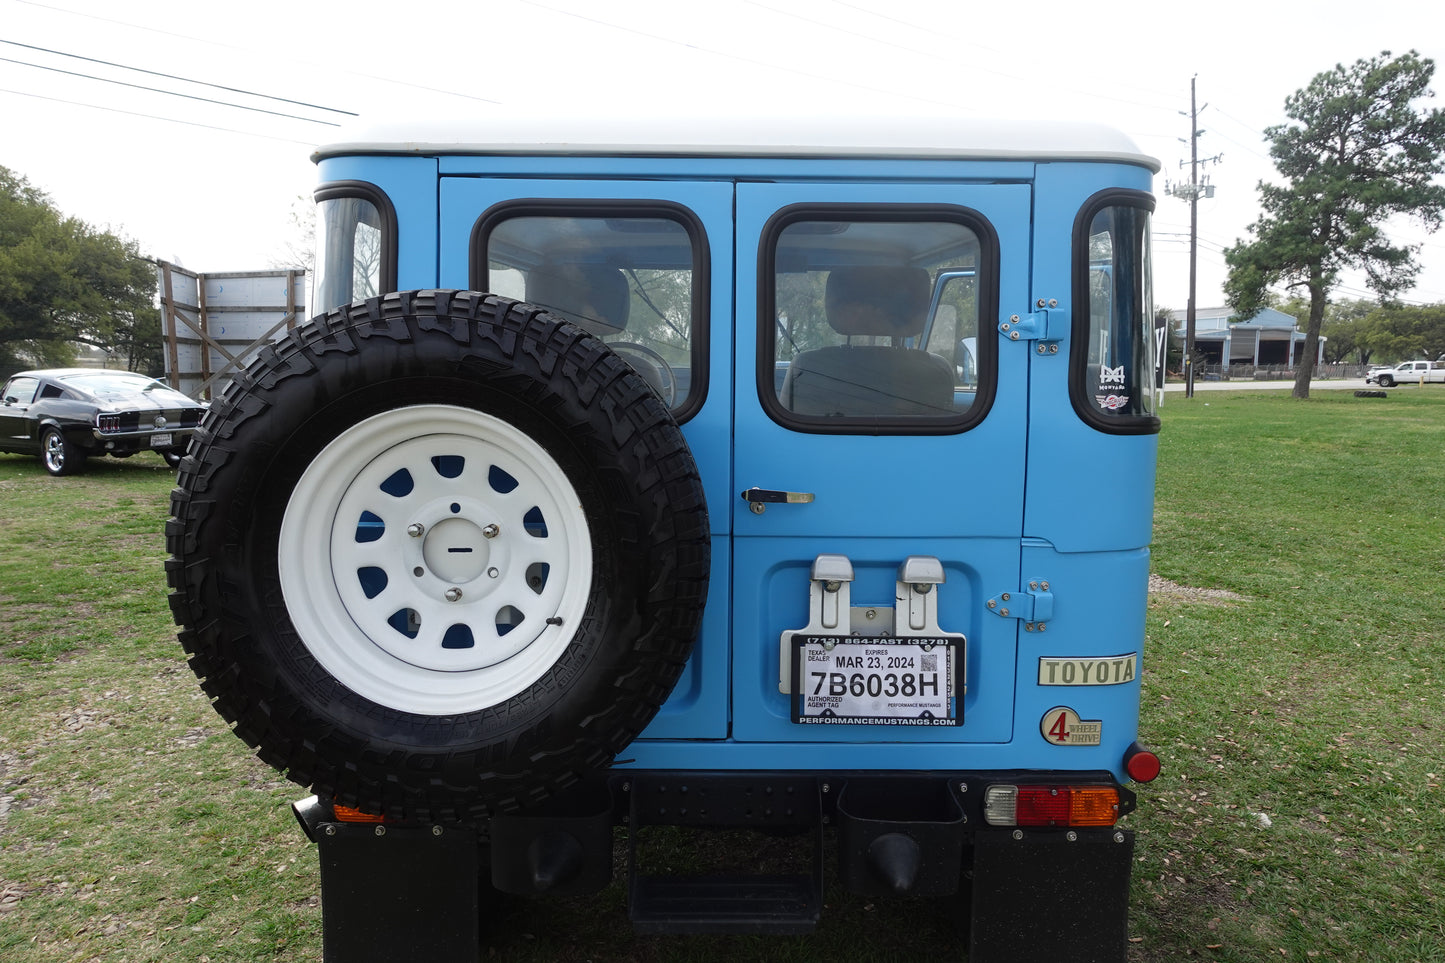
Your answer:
<point x="553" y="369"/>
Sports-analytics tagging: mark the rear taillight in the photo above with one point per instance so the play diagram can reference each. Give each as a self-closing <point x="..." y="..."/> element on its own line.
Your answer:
<point x="107" y="422"/>
<point x="1141" y="764"/>
<point x="1051" y="805"/>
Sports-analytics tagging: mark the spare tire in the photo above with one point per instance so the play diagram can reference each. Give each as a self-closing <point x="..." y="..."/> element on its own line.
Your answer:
<point x="438" y="554"/>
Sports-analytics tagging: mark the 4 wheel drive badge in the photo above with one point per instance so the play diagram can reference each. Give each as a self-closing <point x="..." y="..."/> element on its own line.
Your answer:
<point x="1111" y="376"/>
<point x="1111" y="402"/>
<point x="1061" y="726"/>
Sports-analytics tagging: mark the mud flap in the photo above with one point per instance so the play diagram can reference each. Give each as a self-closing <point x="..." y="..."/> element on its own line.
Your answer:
<point x="393" y="893"/>
<point x="1043" y="896"/>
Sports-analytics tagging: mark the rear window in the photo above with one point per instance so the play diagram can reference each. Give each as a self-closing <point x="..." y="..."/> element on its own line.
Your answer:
<point x="870" y="319"/>
<point x="633" y="273"/>
<point x="1114" y="349"/>
<point x="355" y="245"/>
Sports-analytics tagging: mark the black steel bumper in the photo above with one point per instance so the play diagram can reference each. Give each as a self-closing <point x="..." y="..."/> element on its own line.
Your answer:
<point x="397" y="890"/>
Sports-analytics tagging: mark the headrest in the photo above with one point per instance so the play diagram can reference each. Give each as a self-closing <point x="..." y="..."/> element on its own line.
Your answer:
<point x="878" y="300"/>
<point x="593" y="296"/>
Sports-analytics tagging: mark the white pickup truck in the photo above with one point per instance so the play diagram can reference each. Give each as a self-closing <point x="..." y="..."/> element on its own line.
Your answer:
<point x="1408" y="372"/>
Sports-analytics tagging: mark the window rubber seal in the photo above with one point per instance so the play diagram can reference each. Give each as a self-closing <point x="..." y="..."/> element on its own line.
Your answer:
<point x="988" y="271"/>
<point x="367" y="191"/>
<point x="643" y="207"/>
<point x="1079" y="332"/>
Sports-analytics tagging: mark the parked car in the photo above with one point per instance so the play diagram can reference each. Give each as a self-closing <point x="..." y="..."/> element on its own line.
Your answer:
<point x="65" y="415"/>
<point x="1373" y="375"/>
<point x="1408" y="373"/>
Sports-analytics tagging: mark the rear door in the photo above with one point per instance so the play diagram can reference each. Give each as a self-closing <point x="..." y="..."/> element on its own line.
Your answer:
<point x="850" y="284"/>
<point x="645" y="265"/>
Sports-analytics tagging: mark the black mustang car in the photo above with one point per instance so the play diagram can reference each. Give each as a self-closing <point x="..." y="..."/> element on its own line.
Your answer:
<point x="67" y="414"/>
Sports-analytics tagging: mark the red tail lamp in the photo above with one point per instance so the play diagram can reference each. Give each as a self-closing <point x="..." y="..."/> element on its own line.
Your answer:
<point x="1141" y="764"/>
<point x="1037" y="805"/>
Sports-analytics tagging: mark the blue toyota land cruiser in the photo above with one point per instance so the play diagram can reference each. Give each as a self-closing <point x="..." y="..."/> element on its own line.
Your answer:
<point x="793" y="476"/>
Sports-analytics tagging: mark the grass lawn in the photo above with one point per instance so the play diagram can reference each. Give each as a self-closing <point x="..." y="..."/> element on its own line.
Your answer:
<point x="1296" y="708"/>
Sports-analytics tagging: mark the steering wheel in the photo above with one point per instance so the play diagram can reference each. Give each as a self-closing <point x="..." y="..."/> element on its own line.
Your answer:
<point x="653" y="367"/>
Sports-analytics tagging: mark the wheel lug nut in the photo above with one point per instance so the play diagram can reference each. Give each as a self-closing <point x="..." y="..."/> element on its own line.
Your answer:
<point x="415" y="529"/>
<point x="491" y="531"/>
<point x="453" y="594"/>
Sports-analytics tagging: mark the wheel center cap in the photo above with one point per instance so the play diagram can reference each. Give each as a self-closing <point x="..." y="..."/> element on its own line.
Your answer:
<point x="456" y="550"/>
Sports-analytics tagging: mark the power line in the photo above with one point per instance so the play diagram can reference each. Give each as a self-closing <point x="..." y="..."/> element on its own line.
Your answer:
<point x="227" y="46"/>
<point x="169" y="120"/>
<point x="188" y="80"/>
<point x="172" y="93"/>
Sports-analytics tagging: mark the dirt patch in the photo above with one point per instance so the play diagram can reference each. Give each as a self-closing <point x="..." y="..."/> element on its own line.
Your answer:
<point x="1162" y="587"/>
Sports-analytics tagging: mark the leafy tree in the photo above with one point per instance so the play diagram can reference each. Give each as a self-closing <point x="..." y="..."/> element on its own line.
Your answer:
<point x="1342" y="329"/>
<point x="1402" y="332"/>
<point x="1358" y="154"/>
<point x="64" y="283"/>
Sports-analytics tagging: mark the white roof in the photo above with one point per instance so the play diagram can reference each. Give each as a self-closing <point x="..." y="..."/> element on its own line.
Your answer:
<point x="895" y="136"/>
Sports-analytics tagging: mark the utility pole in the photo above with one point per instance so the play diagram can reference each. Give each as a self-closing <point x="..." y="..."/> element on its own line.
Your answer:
<point x="1191" y="192"/>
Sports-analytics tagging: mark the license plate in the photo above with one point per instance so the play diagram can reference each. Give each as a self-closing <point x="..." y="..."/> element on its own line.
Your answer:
<point x="162" y="440"/>
<point x="890" y="682"/>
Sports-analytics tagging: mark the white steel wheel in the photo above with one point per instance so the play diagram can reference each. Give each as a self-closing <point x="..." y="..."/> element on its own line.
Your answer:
<point x="438" y="555"/>
<point x="435" y="559"/>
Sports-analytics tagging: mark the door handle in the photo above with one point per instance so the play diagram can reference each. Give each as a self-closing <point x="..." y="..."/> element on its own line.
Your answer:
<point x="759" y="499"/>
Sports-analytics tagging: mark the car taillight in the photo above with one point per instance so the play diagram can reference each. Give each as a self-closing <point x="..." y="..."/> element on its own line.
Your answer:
<point x="1141" y="764"/>
<point x="107" y="422"/>
<point x="1051" y="805"/>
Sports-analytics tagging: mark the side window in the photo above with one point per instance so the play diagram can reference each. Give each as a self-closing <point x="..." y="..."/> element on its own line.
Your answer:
<point x="20" y="391"/>
<point x="1111" y="376"/>
<point x="870" y="319"/>
<point x="631" y="273"/>
<point x="355" y="245"/>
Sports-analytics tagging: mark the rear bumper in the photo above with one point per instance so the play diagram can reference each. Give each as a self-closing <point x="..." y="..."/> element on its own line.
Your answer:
<point x="131" y="441"/>
<point x="1030" y="893"/>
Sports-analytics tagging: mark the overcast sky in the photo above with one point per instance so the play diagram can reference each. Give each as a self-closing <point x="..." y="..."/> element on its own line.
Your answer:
<point x="211" y="179"/>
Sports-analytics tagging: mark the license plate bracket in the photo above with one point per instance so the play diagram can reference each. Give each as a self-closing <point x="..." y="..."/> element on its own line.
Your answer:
<point x="845" y="680"/>
<point x="162" y="439"/>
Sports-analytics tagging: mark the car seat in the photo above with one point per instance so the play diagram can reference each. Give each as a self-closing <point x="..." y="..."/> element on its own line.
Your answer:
<point x="872" y="380"/>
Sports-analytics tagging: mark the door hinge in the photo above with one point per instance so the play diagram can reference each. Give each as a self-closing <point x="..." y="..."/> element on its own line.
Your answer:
<point x="1047" y="324"/>
<point x="1033" y="605"/>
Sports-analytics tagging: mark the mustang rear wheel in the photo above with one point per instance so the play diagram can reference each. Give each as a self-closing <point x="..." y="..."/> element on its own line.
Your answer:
<point x="58" y="455"/>
<point x="438" y="554"/>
